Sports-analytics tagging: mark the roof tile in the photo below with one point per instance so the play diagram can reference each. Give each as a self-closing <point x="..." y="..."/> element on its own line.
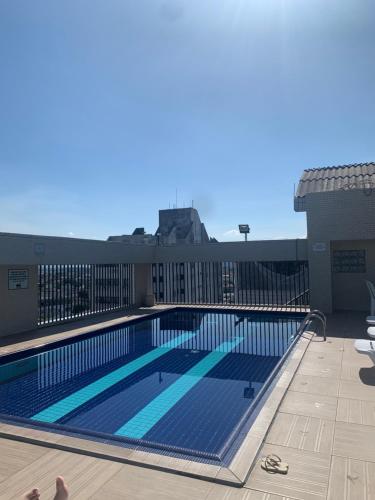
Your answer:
<point x="318" y="180"/>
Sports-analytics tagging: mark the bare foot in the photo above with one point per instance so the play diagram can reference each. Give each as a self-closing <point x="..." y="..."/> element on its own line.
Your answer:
<point x="32" y="495"/>
<point x="62" y="492"/>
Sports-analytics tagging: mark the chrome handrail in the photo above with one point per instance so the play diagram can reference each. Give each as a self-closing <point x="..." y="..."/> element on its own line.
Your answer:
<point x="315" y="314"/>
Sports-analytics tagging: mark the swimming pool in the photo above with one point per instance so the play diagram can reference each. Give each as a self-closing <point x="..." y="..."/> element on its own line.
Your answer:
<point x="184" y="381"/>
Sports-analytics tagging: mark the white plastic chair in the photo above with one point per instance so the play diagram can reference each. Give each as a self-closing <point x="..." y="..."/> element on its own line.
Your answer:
<point x="366" y="347"/>
<point x="371" y="289"/>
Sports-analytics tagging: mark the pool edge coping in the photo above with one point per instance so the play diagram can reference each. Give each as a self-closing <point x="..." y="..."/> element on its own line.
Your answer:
<point x="246" y="457"/>
<point x="233" y="475"/>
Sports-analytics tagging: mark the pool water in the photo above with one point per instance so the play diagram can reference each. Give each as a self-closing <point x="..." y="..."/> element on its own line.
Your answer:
<point x="184" y="381"/>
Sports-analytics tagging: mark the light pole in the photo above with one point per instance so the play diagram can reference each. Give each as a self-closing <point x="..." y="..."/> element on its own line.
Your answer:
<point x="244" y="229"/>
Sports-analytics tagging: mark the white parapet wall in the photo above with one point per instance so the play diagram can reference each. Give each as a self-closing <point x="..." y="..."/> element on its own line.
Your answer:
<point x="18" y="298"/>
<point x="19" y="306"/>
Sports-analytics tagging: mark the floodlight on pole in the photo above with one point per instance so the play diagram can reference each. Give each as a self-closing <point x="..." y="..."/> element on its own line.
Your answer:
<point x="244" y="229"/>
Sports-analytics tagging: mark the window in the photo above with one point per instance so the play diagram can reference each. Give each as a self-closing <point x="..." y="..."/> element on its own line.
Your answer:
<point x="349" y="261"/>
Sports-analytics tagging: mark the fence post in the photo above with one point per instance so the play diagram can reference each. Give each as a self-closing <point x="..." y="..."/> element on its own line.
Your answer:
<point x="143" y="285"/>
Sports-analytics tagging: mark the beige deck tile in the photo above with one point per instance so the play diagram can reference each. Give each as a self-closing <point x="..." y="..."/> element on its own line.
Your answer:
<point x="201" y="469"/>
<point x="219" y="492"/>
<point x="354" y="441"/>
<point x="95" y="447"/>
<point x="355" y="373"/>
<point x="303" y="433"/>
<point x="351" y="480"/>
<point x="309" y="366"/>
<point x="226" y="476"/>
<point x="15" y="456"/>
<point x="355" y="411"/>
<point x="245" y="456"/>
<point x="84" y="485"/>
<point x="307" y="478"/>
<point x="43" y="471"/>
<point x="311" y="405"/>
<point x="135" y="483"/>
<point x="315" y="385"/>
<point x="263" y="421"/>
<point x="324" y="358"/>
<point x="37" y="435"/>
<point x="332" y="344"/>
<point x="356" y="390"/>
<point x="355" y="358"/>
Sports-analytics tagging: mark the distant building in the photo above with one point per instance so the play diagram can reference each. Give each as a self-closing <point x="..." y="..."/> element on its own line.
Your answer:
<point x="139" y="237"/>
<point x="181" y="226"/>
<point x="177" y="226"/>
<point x="180" y="282"/>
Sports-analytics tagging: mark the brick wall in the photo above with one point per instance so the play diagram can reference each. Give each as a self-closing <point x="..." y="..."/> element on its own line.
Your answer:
<point x="341" y="215"/>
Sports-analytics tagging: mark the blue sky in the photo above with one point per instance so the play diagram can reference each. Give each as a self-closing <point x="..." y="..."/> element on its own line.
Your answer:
<point x="106" y="107"/>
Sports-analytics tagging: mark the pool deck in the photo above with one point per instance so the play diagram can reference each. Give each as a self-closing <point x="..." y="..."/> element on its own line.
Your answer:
<point x="324" y="428"/>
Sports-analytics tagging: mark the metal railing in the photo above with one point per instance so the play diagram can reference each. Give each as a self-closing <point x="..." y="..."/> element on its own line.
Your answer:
<point x="283" y="284"/>
<point x="73" y="291"/>
<point x="315" y="315"/>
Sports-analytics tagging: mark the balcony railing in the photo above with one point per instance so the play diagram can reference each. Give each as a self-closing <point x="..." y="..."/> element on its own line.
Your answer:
<point x="74" y="291"/>
<point x="277" y="283"/>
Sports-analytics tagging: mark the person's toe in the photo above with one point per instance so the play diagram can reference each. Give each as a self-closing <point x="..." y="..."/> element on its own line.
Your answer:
<point x="62" y="492"/>
<point x="32" y="495"/>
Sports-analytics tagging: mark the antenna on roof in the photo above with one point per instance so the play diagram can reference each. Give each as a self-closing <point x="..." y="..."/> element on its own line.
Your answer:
<point x="192" y="203"/>
<point x="176" y="199"/>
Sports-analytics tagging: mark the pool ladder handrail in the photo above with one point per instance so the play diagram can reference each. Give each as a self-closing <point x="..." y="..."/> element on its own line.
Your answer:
<point x="315" y="314"/>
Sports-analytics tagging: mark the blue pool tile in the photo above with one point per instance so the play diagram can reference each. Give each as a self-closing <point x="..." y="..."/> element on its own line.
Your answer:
<point x="141" y="423"/>
<point x="61" y="408"/>
<point x="199" y="416"/>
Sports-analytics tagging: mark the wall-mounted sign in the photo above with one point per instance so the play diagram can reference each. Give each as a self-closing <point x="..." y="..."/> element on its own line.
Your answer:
<point x="349" y="261"/>
<point x="39" y="249"/>
<point x="319" y="246"/>
<point x="18" y="279"/>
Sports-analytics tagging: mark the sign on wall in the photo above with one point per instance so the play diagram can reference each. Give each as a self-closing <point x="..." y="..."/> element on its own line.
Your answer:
<point x="18" y="279"/>
<point x="349" y="261"/>
<point x="319" y="246"/>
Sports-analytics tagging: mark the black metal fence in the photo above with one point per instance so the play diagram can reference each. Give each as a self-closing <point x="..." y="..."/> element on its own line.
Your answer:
<point x="73" y="291"/>
<point x="284" y="283"/>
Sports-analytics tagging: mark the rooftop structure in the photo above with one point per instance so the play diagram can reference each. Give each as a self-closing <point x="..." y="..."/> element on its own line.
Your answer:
<point x="340" y="214"/>
<point x="338" y="178"/>
<point x="177" y="226"/>
<point x="138" y="237"/>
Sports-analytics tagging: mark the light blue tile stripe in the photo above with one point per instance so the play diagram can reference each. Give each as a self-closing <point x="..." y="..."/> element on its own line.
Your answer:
<point x="78" y="398"/>
<point x="146" y="418"/>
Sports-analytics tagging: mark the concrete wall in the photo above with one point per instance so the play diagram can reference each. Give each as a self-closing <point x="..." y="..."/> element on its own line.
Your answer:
<point x="320" y="278"/>
<point x="18" y="308"/>
<point x="333" y="217"/>
<point x="143" y="285"/>
<point x="18" y="249"/>
<point x="267" y="250"/>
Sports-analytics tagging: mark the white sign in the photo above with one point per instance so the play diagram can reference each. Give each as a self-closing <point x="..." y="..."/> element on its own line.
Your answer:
<point x="18" y="279"/>
<point x="39" y="249"/>
<point x="320" y="246"/>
